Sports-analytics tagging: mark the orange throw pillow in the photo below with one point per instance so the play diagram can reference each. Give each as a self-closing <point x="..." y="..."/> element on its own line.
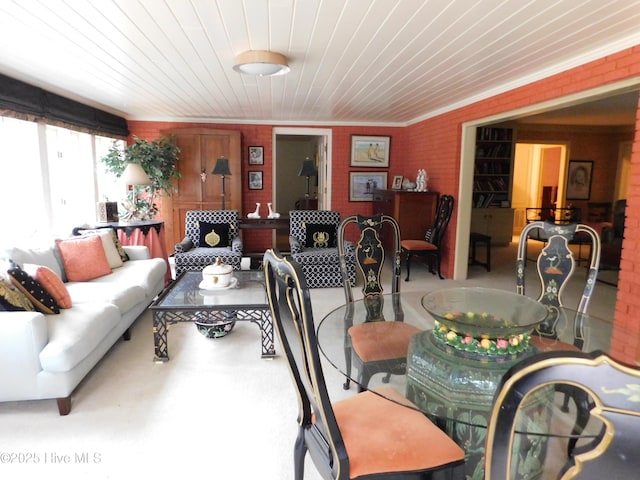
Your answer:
<point x="51" y="282"/>
<point x="83" y="258"/>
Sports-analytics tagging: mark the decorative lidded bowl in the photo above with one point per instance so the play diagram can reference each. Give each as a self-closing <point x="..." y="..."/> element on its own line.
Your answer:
<point x="218" y="275"/>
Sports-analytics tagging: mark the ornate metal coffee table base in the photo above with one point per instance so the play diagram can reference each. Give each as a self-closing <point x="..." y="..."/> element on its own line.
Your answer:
<point x="163" y="318"/>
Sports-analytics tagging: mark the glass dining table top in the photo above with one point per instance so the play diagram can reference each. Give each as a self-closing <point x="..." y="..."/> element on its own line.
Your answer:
<point x="455" y="387"/>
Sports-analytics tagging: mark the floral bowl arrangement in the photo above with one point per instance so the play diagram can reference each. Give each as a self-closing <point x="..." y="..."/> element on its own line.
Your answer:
<point x="483" y="320"/>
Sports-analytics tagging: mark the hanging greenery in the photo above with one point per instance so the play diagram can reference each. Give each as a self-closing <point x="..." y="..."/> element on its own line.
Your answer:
<point x="159" y="160"/>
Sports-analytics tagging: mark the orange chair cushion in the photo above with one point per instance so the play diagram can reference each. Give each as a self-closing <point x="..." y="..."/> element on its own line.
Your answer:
<point x="374" y="341"/>
<point x="551" y="345"/>
<point x="417" y="245"/>
<point x="381" y="435"/>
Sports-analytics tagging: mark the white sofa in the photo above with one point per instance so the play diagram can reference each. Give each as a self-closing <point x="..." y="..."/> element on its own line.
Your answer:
<point x="46" y="356"/>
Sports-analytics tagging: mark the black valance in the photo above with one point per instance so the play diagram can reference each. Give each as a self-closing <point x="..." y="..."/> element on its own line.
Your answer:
<point x="27" y="99"/>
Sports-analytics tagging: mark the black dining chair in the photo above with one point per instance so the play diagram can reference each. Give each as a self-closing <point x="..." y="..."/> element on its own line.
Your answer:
<point x="374" y="344"/>
<point x="363" y="436"/>
<point x="612" y="451"/>
<point x="431" y="245"/>
<point x="555" y="266"/>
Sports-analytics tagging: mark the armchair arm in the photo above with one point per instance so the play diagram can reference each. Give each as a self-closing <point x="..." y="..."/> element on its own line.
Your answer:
<point x="236" y="245"/>
<point x="185" y="245"/>
<point x="137" y="252"/>
<point x="296" y="246"/>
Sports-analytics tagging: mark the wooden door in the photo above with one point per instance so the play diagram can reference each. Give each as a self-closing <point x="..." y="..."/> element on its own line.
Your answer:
<point x="197" y="188"/>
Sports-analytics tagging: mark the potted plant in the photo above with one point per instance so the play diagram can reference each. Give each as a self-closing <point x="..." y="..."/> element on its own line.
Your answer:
<point x="159" y="160"/>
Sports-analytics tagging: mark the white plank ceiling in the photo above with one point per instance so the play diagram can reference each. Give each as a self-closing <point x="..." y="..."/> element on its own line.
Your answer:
<point x="352" y="61"/>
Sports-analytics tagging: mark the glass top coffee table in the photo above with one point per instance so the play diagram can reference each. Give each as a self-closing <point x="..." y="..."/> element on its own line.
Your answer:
<point x="184" y="301"/>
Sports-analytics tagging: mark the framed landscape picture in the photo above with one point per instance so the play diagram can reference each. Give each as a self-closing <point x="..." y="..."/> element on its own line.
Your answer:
<point x="256" y="155"/>
<point x="579" y="179"/>
<point x="370" y="151"/>
<point x="362" y="185"/>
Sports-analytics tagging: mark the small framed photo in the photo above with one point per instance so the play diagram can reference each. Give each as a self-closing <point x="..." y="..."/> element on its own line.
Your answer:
<point x="397" y="182"/>
<point x="255" y="180"/>
<point x="370" y="151"/>
<point x="362" y="185"/>
<point x="256" y="155"/>
<point x="579" y="179"/>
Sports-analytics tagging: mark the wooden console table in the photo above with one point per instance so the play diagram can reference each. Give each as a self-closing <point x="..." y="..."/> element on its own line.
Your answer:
<point x="281" y="223"/>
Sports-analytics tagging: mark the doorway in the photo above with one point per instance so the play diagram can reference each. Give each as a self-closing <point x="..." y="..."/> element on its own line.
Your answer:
<point x="290" y="147"/>
<point x="538" y="179"/>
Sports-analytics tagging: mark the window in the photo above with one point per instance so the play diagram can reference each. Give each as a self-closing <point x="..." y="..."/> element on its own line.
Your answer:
<point x="52" y="179"/>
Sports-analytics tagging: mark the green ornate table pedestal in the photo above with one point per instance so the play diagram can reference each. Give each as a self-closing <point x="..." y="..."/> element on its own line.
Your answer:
<point x="459" y="387"/>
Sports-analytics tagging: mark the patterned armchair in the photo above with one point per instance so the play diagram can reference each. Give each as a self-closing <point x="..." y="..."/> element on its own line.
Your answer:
<point x="312" y="239"/>
<point x="209" y="234"/>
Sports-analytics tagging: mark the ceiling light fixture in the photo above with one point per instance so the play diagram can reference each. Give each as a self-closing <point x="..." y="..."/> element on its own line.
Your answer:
<point x="262" y="63"/>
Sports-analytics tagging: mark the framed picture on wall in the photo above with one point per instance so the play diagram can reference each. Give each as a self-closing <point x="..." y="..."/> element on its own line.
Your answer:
<point x="362" y="185"/>
<point x="256" y="155"/>
<point x="370" y="151"/>
<point x="579" y="178"/>
<point x="255" y="180"/>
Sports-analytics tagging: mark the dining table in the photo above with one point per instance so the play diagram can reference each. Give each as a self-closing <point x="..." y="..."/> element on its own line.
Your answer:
<point x="455" y="387"/>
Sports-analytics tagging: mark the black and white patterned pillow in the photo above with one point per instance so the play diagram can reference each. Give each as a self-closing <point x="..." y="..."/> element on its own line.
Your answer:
<point x="33" y="290"/>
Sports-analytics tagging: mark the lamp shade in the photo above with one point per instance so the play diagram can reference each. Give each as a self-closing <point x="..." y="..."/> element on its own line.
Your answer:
<point x="308" y="169"/>
<point x="261" y="63"/>
<point x="135" y="175"/>
<point x="221" y="167"/>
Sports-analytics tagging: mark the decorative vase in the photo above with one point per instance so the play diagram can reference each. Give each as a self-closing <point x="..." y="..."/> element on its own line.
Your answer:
<point x="255" y="213"/>
<point x="272" y="214"/>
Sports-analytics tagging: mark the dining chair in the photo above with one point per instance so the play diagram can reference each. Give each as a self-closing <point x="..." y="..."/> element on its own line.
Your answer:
<point x="374" y="345"/>
<point x="431" y="245"/>
<point x="611" y="453"/>
<point x="555" y="266"/>
<point x="365" y="435"/>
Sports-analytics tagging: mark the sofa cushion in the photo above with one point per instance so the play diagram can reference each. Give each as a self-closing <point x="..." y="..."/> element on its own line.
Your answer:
<point x="84" y="258"/>
<point x="34" y="291"/>
<point x="124" y="296"/>
<point x="51" y="282"/>
<point x="214" y="234"/>
<point x="320" y="235"/>
<point x="147" y="274"/>
<point x="36" y="256"/>
<point x="75" y="333"/>
<point x="108" y="243"/>
<point x="116" y="241"/>
<point x="12" y="299"/>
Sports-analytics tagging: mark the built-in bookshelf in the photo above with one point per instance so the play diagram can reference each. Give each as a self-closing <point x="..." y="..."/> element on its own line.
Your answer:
<point x="493" y="167"/>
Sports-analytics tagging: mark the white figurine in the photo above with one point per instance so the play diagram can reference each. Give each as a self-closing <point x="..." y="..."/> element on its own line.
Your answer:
<point x="272" y="214"/>
<point x="421" y="180"/>
<point x="256" y="213"/>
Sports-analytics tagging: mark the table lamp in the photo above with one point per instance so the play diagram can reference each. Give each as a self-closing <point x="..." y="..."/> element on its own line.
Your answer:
<point x="134" y="174"/>
<point x="308" y="169"/>
<point x="222" y="169"/>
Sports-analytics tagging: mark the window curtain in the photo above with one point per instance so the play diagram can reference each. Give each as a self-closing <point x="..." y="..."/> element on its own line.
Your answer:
<point x="26" y="102"/>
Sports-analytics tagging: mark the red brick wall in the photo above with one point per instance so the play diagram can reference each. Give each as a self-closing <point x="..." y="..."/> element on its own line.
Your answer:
<point x="626" y="335"/>
<point x="436" y="143"/>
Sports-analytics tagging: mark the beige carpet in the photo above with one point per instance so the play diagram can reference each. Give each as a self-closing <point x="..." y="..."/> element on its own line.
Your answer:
<point x="216" y="410"/>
